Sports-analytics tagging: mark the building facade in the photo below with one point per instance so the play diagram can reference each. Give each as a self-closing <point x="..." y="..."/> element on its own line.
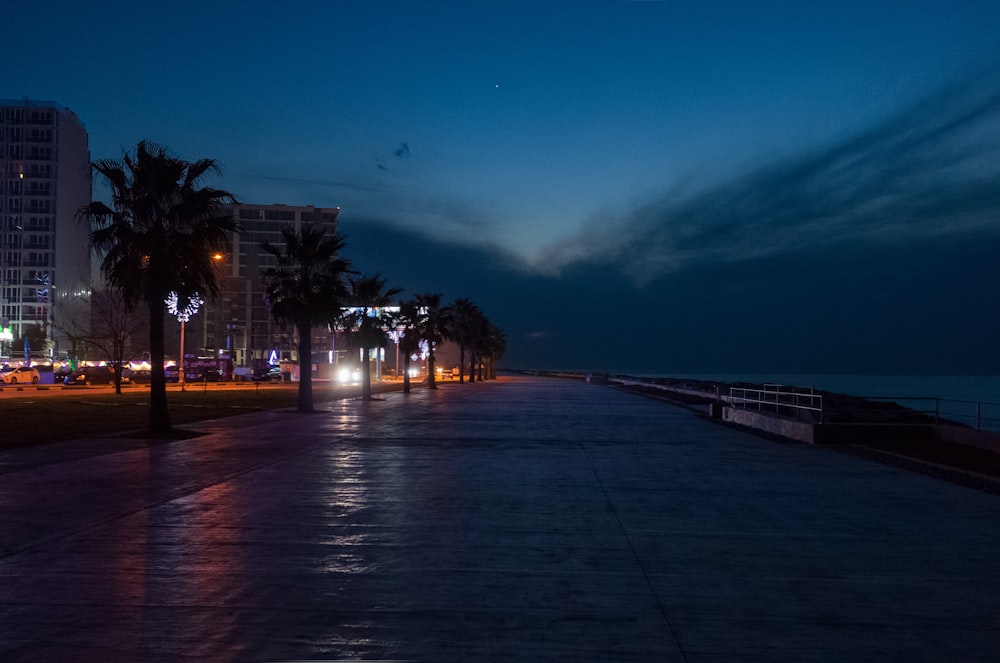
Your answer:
<point x="237" y="323"/>
<point x="44" y="251"/>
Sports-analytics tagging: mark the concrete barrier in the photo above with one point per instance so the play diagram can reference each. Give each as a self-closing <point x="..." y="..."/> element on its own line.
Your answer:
<point x="768" y="423"/>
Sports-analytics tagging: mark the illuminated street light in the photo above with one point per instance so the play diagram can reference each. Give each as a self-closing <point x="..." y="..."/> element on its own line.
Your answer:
<point x="183" y="314"/>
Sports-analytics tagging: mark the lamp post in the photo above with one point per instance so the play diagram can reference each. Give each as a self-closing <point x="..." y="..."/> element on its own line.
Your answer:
<point x="217" y="264"/>
<point x="183" y="315"/>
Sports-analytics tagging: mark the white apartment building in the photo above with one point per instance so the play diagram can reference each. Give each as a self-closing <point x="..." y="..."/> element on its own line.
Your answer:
<point x="44" y="251"/>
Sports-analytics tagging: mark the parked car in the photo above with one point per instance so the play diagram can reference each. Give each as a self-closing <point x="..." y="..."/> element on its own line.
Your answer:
<point x="139" y="375"/>
<point x="272" y="374"/>
<point x="202" y="374"/>
<point x="20" y="374"/>
<point x="94" y="375"/>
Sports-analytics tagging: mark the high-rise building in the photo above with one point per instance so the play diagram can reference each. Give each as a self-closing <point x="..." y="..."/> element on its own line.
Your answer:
<point x="44" y="252"/>
<point x="238" y="323"/>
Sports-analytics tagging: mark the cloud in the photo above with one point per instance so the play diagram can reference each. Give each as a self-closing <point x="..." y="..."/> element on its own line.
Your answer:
<point x="923" y="306"/>
<point x="874" y="253"/>
<point x="442" y="219"/>
<point x="931" y="170"/>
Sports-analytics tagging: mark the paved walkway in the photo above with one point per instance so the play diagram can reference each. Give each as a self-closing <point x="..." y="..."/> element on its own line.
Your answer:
<point x="525" y="519"/>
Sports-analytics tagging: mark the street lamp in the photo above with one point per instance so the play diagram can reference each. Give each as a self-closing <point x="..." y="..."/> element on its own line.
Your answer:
<point x="217" y="262"/>
<point x="183" y="315"/>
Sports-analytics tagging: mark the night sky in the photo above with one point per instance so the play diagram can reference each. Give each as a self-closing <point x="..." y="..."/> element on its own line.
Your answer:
<point x="627" y="185"/>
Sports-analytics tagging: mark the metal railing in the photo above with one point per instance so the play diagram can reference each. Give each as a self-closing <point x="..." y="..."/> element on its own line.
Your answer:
<point x="980" y="415"/>
<point x="805" y="402"/>
<point x="798" y="402"/>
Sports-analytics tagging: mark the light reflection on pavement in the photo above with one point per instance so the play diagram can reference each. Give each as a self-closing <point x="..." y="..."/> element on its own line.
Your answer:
<point x="523" y="519"/>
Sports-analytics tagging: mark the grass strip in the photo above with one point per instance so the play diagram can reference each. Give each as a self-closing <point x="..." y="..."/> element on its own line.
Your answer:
<point x="40" y="417"/>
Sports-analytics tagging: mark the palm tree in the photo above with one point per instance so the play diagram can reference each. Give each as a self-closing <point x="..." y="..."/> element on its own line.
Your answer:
<point x="477" y="341"/>
<point x="305" y="289"/>
<point x="431" y="328"/>
<point x="408" y="323"/>
<point x="495" y="346"/>
<point x="368" y="295"/>
<point x="157" y="236"/>
<point x="464" y="320"/>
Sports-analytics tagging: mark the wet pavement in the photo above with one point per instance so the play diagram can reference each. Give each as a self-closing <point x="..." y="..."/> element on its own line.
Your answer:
<point x="525" y="519"/>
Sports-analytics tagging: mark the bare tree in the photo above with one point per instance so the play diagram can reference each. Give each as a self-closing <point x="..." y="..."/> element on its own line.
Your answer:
<point x="111" y="333"/>
<point x="114" y="328"/>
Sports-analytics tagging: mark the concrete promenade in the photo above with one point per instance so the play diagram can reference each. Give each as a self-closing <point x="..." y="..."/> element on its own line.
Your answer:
<point x="526" y="519"/>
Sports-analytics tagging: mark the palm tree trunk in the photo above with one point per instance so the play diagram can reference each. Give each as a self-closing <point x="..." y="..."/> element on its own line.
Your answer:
<point x="159" y="416"/>
<point x="461" y="363"/>
<point x="305" y="367"/>
<point x="406" y="373"/>
<point x="472" y="367"/>
<point x="366" y="375"/>
<point x="431" y="383"/>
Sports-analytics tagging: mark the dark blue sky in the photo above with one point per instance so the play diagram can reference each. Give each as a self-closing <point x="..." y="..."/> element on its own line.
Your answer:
<point x="689" y="186"/>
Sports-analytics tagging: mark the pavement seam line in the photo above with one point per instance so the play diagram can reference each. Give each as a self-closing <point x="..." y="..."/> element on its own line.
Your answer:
<point x="635" y="554"/>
